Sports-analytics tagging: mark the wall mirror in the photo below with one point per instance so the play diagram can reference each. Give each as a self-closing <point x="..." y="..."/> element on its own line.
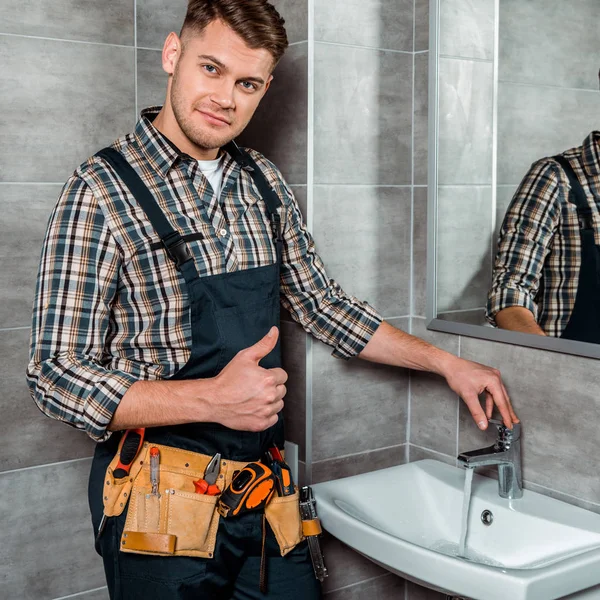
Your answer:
<point x="510" y="82"/>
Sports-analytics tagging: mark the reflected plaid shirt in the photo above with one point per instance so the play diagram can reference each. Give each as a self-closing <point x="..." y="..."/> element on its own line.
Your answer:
<point x="110" y="308"/>
<point x="539" y="250"/>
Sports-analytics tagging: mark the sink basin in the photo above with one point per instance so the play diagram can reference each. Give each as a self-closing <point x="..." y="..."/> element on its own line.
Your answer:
<point x="408" y="519"/>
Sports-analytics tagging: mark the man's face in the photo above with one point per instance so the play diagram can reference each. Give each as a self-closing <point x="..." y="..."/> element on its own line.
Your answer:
<point x="218" y="82"/>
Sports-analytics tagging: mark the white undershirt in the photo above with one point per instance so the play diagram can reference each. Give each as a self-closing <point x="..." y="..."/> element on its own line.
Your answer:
<point x="213" y="171"/>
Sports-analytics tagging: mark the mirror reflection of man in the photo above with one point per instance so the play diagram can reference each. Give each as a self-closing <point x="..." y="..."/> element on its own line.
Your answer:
<point x="546" y="277"/>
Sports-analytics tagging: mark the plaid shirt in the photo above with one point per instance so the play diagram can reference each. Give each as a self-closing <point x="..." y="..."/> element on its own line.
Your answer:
<point x="110" y="307"/>
<point x="539" y="250"/>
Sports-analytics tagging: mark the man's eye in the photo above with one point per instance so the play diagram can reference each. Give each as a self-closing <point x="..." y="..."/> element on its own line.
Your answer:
<point x="248" y="85"/>
<point x="210" y="68"/>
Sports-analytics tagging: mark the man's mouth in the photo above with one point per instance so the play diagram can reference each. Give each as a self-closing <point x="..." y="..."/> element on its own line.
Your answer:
<point x="214" y="119"/>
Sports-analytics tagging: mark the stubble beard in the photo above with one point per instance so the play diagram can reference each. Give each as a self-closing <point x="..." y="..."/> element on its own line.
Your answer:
<point x="203" y="139"/>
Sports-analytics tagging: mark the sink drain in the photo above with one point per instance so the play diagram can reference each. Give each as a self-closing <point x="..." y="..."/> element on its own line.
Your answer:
<point x="487" y="518"/>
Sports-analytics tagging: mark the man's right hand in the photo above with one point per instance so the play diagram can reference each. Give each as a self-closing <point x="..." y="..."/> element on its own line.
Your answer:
<point x="246" y="396"/>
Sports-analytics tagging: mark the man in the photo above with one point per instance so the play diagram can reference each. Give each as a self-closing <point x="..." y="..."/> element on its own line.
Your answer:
<point x="158" y="297"/>
<point x="546" y="278"/>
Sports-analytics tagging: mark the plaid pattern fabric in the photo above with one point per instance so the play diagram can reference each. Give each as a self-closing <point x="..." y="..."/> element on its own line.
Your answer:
<point x="539" y="250"/>
<point x="110" y="308"/>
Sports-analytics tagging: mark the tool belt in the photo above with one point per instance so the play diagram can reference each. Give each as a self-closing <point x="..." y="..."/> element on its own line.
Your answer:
<point x="177" y="521"/>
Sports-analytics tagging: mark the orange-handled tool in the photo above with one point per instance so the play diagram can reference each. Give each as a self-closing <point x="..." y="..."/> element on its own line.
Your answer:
<point x="131" y="444"/>
<point x="250" y="489"/>
<point x="207" y="485"/>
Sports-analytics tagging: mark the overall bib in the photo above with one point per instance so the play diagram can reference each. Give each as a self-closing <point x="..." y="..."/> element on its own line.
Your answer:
<point x="584" y="324"/>
<point x="228" y="312"/>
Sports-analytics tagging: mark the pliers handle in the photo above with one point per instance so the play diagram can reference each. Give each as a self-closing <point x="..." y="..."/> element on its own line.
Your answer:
<point x="207" y="485"/>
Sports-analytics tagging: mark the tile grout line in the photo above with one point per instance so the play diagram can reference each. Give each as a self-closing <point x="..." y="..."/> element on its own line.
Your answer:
<point x="14" y="328"/>
<point x="54" y="464"/>
<point x="310" y="135"/>
<point x="50" y="39"/>
<point x="364" y="47"/>
<point x="80" y="594"/>
<point x="135" y="61"/>
<point x="360" y="453"/>
<point x="345" y="587"/>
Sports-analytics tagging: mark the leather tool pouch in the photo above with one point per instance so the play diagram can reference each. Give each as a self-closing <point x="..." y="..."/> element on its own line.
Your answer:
<point x="178" y="521"/>
<point x="283" y="515"/>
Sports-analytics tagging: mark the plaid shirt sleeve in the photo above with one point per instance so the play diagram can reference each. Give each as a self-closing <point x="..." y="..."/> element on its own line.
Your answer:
<point x="77" y="279"/>
<point x="525" y="240"/>
<point x="319" y="304"/>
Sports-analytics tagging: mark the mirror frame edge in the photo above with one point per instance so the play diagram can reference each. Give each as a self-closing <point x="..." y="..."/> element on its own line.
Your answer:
<point x="527" y="340"/>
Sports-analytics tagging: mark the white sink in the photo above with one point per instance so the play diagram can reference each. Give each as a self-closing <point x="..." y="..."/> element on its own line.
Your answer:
<point x="408" y="519"/>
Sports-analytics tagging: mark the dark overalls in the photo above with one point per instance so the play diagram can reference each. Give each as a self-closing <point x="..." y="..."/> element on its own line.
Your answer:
<point x="228" y="312"/>
<point x="584" y="324"/>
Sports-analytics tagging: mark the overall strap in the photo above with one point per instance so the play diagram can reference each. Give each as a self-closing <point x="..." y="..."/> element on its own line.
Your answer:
<point x="577" y="197"/>
<point x="174" y="244"/>
<point x="268" y="194"/>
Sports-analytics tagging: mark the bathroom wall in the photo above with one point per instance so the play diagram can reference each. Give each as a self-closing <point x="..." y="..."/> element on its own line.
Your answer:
<point x="465" y="154"/>
<point x="554" y="394"/>
<point x="338" y="121"/>
<point x="548" y="98"/>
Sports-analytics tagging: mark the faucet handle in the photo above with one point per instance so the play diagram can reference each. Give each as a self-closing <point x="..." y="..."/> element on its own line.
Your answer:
<point x="504" y="431"/>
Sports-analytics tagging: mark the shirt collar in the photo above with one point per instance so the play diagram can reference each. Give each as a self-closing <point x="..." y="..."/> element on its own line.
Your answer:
<point x="590" y="153"/>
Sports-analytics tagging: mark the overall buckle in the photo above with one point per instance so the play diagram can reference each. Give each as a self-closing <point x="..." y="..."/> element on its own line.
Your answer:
<point x="177" y="250"/>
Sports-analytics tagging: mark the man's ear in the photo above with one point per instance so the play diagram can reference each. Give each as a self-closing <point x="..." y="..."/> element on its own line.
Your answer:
<point x="171" y="53"/>
<point x="268" y="83"/>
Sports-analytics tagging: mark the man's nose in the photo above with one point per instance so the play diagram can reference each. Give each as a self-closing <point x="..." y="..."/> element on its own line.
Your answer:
<point x="222" y="95"/>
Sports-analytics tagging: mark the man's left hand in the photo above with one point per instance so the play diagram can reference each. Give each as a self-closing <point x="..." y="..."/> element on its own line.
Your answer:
<point x="469" y="380"/>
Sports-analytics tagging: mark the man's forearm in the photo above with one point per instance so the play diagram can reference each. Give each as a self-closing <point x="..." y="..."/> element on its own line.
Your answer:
<point x="392" y="346"/>
<point x="158" y="403"/>
<point x="518" y="318"/>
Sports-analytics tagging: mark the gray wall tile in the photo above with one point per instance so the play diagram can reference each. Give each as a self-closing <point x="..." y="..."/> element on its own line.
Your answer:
<point x="68" y="102"/>
<point x="421" y="25"/>
<point x="419" y="252"/>
<point x="465" y="122"/>
<point x="467" y="28"/>
<point x="534" y="122"/>
<point x="463" y="247"/>
<point x="363" y="236"/>
<point x="386" y="24"/>
<point x="416" y="453"/>
<point x="293" y="349"/>
<point x="295" y="13"/>
<point x="104" y="22"/>
<point x="416" y="592"/>
<point x="151" y="79"/>
<point x="280" y="125"/>
<point x="363" y="108"/>
<point x="555" y="397"/>
<point x="387" y="587"/>
<point x="433" y="405"/>
<point x="47" y="440"/>
<point x="156" y="19"/>
<point x="300" y="193"/>
<point x="346" y="567"/>
<point x="356" y="464"/>
<point x="421" y="119"/>
<point x="357" y="405"/>
<point x="51" y="551"/>
<point x="25" y="213"/>
<point x="531" y="52"/>
<point x="475" y="316"/>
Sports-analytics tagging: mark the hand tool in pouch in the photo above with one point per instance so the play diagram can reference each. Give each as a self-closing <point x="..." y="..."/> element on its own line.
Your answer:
<point x="250" y="489"/>
<point x="154" y="470"/>
<point x="129" y="448"/>
<point x="283" y="474"/>
<point x="311" y="528"/>
<point x="207" y="485"/>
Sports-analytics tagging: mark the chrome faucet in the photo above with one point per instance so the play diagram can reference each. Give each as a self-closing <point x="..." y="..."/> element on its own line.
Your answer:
<point x="506" y="454"/>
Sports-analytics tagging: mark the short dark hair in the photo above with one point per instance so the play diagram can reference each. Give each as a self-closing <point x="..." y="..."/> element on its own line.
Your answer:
<point x="257" y="22"/>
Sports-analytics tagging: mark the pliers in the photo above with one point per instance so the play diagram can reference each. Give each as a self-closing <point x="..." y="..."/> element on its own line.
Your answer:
<point x="207" y="485"/>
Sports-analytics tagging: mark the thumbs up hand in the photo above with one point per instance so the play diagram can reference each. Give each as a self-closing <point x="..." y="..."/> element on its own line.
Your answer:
<point x="246" y="396"/>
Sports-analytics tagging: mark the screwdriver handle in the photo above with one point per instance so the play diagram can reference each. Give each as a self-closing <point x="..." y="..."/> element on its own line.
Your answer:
<point x="130" y="446"/>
